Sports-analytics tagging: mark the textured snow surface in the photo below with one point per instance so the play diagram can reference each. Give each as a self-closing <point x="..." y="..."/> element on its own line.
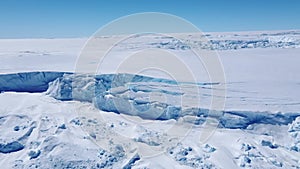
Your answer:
<point x="46" y="133"/>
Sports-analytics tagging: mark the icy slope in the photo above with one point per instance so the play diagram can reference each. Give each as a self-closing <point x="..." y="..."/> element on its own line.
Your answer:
<point x="136" y="95"/>
<point x="28" y="82"/>
<point x="131" y="94"/>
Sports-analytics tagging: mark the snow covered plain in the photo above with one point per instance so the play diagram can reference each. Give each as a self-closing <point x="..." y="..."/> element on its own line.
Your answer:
<point x="53" y="118"/>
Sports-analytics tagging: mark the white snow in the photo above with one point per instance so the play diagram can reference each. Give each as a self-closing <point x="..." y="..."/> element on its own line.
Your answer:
<point x="69" y="125"/>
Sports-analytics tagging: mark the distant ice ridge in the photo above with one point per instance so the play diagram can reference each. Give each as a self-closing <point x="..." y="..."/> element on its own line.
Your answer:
<point x="224" y="41"/>
<point x="232" y="41"/>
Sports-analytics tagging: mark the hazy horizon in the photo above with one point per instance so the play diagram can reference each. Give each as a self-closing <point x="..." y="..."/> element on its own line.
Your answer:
<point x="73" y="19"/>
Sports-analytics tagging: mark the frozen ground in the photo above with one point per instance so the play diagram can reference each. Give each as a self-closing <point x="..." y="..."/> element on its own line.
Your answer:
<point x="69" y="125"/>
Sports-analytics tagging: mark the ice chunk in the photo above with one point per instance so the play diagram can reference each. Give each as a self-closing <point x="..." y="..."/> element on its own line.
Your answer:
<point x="11" y="147"/>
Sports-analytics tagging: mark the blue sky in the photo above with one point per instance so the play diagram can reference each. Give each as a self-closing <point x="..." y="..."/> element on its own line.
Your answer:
<point x="81" y="18"/>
